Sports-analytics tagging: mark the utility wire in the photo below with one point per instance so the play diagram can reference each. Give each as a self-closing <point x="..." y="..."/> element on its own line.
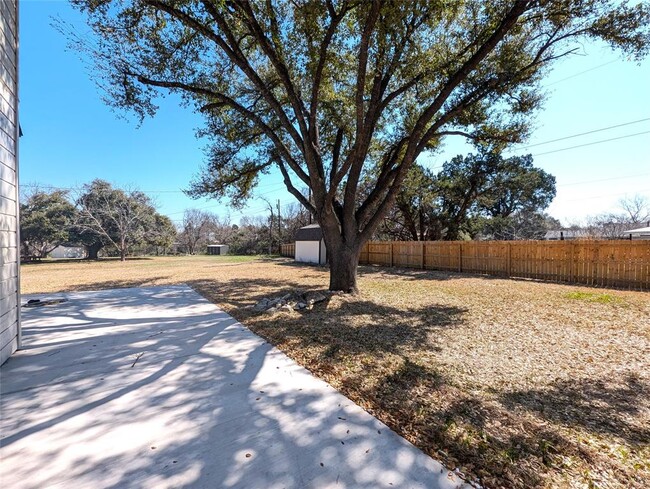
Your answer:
<point x="602" y="180"/>
<point x="54" y="187"/>
<point x="573" y="147"/>
<point x="581" y="72"/>
<point x="585" y="133"/>
<point x="592" y="143"/>
<point x="605" y="195"/>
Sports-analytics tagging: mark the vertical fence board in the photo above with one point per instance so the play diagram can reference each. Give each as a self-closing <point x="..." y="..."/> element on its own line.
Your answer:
<point x="288" y="250"/>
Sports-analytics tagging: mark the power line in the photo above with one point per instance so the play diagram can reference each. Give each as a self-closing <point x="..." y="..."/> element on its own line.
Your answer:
<point x="211" y="206"/>
<point x="592" y="143"/>
<point x="602" y="180"/>
<point x="581" y="72"/>
<point x="585" y="133"/>
<point x="605" y="195"/>
<point x="574" y="147"/>
<point x="241" y="213"/>
<point x="71" y="189"/>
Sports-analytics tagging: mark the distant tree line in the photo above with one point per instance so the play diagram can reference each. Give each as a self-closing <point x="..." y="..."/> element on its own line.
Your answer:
<point x="100" y="218"/>
<point x="254" y="235"/>
<point x="111" y="221"/>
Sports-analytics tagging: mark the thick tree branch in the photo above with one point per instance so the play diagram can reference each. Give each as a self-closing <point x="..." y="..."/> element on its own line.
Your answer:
<point x="509" y="20"/>
<point x="224" y="100"/>
<point x="234" y="53"/>
<point x="278" y="63"/>
<point x="293" y="190"/>
<point x="322" y="59"/>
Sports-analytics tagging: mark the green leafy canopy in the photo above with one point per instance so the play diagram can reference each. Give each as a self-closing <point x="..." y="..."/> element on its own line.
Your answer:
<point x="339" y="92"/>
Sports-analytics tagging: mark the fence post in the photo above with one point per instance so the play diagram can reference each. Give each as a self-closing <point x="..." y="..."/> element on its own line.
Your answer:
<point x="390" y="253"/>
<point x="460" y="257"/>
<point x="422" y="246"/>
<point x="509" y="266"/>
<point x="572" y="263"/>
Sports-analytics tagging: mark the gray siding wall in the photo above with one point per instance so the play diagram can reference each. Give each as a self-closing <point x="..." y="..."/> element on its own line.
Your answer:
<point x="9" y="255"/>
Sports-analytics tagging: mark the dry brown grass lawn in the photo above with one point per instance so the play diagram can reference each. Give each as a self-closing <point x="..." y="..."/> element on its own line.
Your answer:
<point x="519" y="384"/>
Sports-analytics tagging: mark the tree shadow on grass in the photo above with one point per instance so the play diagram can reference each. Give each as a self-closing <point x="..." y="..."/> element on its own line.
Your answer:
<point x="408" y="273"/>
<point x="494" y="443"/>
<point x="434" y="275"/>
<point x="593" y="405"/>
<point x="343" y="325"/>
<point x="450" y="275"/>
<point x="240" y="293"/>
<point x="104" y="285"/>
<point x="370" y="270"/>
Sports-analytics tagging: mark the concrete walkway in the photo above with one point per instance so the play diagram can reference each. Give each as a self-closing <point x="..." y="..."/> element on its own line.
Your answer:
<point x="159" y="388"/>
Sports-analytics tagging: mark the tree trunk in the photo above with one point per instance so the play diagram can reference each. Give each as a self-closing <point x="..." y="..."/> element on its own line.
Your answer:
<point x="343" y="268"/>
<point x="92" y="251"/>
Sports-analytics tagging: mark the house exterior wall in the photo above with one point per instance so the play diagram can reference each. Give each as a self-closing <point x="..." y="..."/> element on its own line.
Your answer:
<point x="308" y="252"/>
<point x="9" y="254"/>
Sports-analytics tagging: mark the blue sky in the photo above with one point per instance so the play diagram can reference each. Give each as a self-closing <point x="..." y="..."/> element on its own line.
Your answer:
<point x="71" y="136"/>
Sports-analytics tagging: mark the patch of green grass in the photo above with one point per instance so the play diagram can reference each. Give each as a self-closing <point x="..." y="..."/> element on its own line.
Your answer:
<point x="593" y="297"/>
<point x="233" y="258"/>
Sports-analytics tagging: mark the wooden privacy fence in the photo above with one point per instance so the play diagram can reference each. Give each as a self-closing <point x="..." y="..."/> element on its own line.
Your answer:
<point x="606" y="263"/>
<point x="288" y="249"/>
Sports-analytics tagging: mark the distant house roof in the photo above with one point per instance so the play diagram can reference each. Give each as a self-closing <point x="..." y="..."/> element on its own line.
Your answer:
<point x="638" y="232"/>
<point x="312" y="232"/>
<point x="566" y="234"/>
<point x="216" y="245"/>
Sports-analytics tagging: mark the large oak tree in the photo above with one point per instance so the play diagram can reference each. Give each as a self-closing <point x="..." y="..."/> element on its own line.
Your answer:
<point x="468" y="193"/>
<point x="336" y="92"/>
<point x="45" y="222"/>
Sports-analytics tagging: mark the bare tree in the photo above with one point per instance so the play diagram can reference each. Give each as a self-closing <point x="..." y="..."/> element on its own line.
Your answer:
<point x="637" y="208"/>
<point x="195" y="229"/>
<point x="120" y="217"/>
<point x="295" y="217"/>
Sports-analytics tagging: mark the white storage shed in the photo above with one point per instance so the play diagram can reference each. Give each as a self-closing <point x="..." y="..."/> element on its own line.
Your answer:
<point x="310" y="246"/>
<point x="218" y="249"/>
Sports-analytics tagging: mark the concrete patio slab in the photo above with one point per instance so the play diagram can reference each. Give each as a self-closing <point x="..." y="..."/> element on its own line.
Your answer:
<point x="158" y="388"/>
